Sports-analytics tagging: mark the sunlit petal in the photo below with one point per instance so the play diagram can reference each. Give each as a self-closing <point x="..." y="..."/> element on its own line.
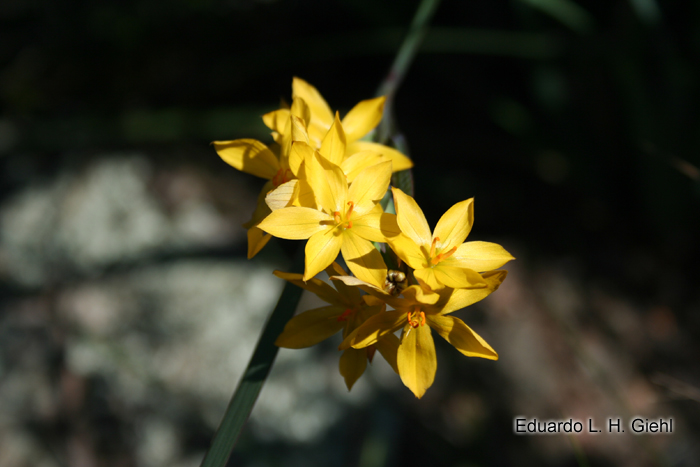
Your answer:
<point x="295" y="223"/>
<point x="376" y="225"/>
<point x="277" y="120"/>
<point x="333" y="144"/>
<point x="327" y="182"/>
<point x="398" y="160"/>
<point x="319" y="108"/>
<point x="369" y="187"/>
<point x="454" y="226"/>
<point x="321" y="250"/>
<point x="461" y="298"/>
<point x="458" y="278"/>
<point x="249" y="156"/>
<point x="359" y="161"/>
<point x="363" y="117"/>
<point x="411" y="219"/>
<point x="409" y="251"/>
<point x="461" y="336"/>
<point x="479" y="256"/>
<point x="363" y="259"/>
<point x="416" y="360"/>
<point x="282" y="196"/>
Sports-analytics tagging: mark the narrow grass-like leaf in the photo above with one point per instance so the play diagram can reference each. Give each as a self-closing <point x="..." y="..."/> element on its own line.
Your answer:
<point x="254" y="377"/>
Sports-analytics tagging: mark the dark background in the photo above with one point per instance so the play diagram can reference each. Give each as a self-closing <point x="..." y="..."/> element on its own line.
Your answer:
<point x="573" y="124"/>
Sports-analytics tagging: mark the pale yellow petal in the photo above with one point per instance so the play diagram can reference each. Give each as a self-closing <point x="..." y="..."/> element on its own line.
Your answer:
<point x="369" y="187"/>
<point x="363" y="118"/>
<point x="319" y="108"/>
<point x="353" y="281"/>
<point x="321" y="250"/>
<point x="316" y="286"/>
<point x="454" y="226"/>
<point x="409" y="252"/>
<point x="249" y="156"/>
<point x="461" y="298"/>
<point x="458" y="278"/>
<point x="376" y="225"/>
<point x="310" y="327"/>
<point x="299" y="132"/>
<point x="333" y="144"/>
<point x="295" y="223"/>
<point x="377" y="326"/>
<point x="411" y="219"/>
<point x="327" y="182"/>
<point x="398" y="160"/>
<point x="352" y="365"/>
<point x="388" y="346"/>
<point x="277" y="120"/>
<point x="358" y="162"/>
<point x="416" y="360"/>
<point x="479" y="256"/>
<point x="282" y="196"/>
<point x="363" y="259"/>
<point x="461" y="336"/>
<point x="257" y="239"/>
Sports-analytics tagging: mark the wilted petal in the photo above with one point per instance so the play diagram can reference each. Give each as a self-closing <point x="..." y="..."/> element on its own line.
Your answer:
<point x="311" y="327"/>
<point x="461" y="336"/>
<point x="416" y="360"/>
<point x="363" y="117"/>
<point x="454" y="226"/>
<point x="249" y="156"/>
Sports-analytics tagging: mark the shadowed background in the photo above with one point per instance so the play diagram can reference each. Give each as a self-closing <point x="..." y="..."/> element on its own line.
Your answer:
<point x="129" y="309"/>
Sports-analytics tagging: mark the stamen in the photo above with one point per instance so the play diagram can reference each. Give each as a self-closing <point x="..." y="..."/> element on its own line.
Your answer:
<point x="336" y="215"/>
<point x="432" y="247"/>
<point x="416" y="318"/>
<point x="442" y="256"/>
<point x="352" y="206"/>
<point x="345" y="315"/>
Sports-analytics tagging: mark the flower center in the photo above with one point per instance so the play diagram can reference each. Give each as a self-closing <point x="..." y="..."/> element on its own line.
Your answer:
<point x="344" y="221"/>
<point x="416" y="317"/>
<point x="282" y="176"/>
<point x="436" y="258"/>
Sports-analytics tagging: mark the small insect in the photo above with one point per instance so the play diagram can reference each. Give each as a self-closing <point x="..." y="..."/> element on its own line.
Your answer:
<point x="395" y="282"/>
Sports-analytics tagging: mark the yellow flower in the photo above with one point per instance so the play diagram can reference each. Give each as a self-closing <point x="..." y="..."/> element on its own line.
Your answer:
<point x="346" y="219"/>
<point x="416" y="358"/>
<point x="359" y="121"/>
<point x="441" y="258"/>
<point x="347" y="310"/>
<point x="253" y="157"/>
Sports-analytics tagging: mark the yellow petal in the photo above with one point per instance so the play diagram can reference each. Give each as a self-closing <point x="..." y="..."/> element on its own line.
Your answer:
<point x="321" y="250"/>
<point x="298" y="153"/>
<point x="333" y="145"/>
<point x="376" y="225"/>
<point x="363" y="117"/>
<point x="352" y="365"/>
<point x="295" y="223"/>
<point x="411" y="219"/>
<point x="249" y="156"/>
<point x="461" y="336"/>
<point x="427" y="277"/>
<point x="375" y="327"/>
<point x="408" y="251"/>
<point x="299" y="132"/>
<point x="319" y="108"/>
<point x="479" y="256"/>
<point x="416" y="360"/>
<point x="398" y="160"/>
<point x="461" y="298"/>
<point x="363" y="259"/>
<point x="417" y="295"/>
<point x="388" y="346"/>
<point x="257" y="239"/>
<point x="301" y="110"/>
<point x="454" y="226"/>
<point x="458" y="278"/>
<point x="281" y="197"/>
<point x="277" y="120"/>
<point x="327" y="182"/>
<point x="358" y="162"/>
<point x="369" y="187"/>
<point x="310" y="327"/>
<point x="316" y="286"/>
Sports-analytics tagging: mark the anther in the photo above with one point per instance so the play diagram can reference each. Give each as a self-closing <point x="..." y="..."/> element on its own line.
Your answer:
<point x="432" y="247"/>
<point x="345" y="315"/>
<point x="336" y="216"/>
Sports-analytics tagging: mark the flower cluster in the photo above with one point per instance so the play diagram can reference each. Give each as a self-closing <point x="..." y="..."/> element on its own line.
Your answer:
<point x="325" y="185"/>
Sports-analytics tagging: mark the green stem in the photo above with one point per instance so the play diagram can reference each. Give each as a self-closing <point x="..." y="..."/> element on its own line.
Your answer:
<point x="254" y="377"/>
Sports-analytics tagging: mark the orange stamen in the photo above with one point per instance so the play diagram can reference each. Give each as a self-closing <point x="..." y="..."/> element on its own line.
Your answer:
<point x="352" y="206"/>
<point x="416" y="318"/>
<point x="432" y="247"/>
<point x="336" y="216"/>
<point x="442" y="256"/>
